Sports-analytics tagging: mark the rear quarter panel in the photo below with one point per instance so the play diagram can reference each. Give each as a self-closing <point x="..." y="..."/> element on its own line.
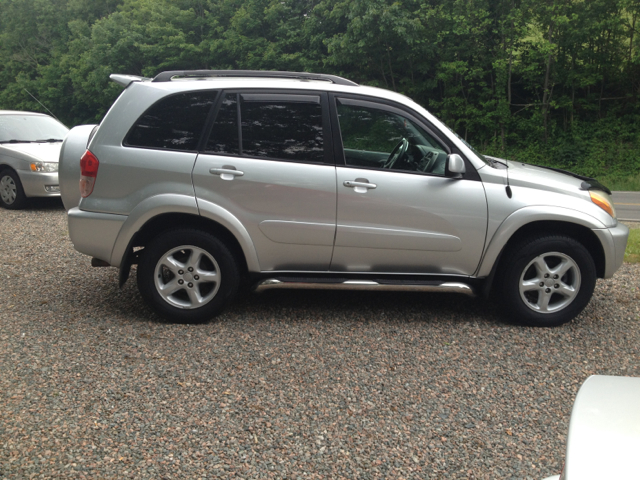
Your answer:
<point x="127" y="175"/>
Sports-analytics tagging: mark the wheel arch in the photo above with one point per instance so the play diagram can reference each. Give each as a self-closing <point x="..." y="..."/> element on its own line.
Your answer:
<point x="17" y="204"/>
<point x="11" y="168"/>
<point x="7" y="166"/>
<point x="580" y="233"/>
<point x="171" y="221"/>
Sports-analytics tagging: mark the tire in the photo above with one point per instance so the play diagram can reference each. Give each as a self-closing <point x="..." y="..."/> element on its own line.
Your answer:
<point x="546" y="281"/>
<point x="11" y="192"/>
<point x="178" y="256"/>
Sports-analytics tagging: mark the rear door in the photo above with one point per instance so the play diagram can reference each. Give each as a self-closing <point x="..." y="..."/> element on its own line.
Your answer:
<point x="397" y="212"/>
<point x="268" y="160"/>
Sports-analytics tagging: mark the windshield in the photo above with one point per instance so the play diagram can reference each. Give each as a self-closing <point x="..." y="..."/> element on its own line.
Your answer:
<point x="480" y="156"/>
<point x="30" y="128"/>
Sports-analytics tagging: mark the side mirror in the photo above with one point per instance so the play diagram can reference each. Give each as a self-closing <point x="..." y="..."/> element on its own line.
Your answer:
<point x="455" y="166"/>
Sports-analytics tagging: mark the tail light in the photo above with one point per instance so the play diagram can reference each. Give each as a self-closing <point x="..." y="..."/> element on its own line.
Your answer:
<point x="88" y="173"/>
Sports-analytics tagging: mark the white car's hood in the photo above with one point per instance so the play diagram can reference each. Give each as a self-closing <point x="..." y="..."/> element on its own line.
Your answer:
<point x="45" y="152"/>
<point x="604" y="431"/>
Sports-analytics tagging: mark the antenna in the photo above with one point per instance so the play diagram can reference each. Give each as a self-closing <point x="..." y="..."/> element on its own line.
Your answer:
<point x="41" y="104"/>
<point x="508" y="188"/>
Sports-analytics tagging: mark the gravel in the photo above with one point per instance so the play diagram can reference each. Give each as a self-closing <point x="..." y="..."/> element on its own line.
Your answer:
<point x="287" y="384"/>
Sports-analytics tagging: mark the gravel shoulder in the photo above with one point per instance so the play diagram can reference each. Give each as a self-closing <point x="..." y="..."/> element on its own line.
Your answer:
<point x="283" y="384"/>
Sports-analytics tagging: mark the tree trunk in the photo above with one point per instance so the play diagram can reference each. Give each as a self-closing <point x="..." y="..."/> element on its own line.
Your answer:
<point x="393" y="82"/>
<point x="546" y="96"/>
<point x="384" y="77"/>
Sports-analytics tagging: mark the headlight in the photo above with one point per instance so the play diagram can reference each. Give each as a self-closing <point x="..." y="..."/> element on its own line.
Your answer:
<point x="603" y="202"/>
<point x="47" y="167"/>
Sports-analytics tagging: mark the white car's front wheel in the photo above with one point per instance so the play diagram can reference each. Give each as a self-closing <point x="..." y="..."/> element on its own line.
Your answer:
<point x="11" y="192"/>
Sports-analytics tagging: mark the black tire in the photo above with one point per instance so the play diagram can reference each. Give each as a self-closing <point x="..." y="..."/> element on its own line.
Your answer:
<point x="12" y="194"/>
<point x="176" y="251"/>
<point x="546" y="281"/>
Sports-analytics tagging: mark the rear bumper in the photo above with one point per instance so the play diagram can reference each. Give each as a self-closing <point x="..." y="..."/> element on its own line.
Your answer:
<point x="36" y="184"/>
<point x="94" y="234"/>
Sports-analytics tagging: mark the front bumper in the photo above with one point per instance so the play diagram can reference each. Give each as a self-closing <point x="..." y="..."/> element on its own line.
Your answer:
<point x="39" y="184"/>
<point x="614" y="243"/>
<point x="94" y="234"/>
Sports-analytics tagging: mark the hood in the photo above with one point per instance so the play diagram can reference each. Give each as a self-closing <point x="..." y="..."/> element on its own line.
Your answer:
<point x="530" y="175"/>
<point x="44" y="152"/>
<point x="547" y="178"/>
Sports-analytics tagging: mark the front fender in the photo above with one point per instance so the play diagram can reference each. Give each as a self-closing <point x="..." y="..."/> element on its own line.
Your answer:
<point x="524" y="216"/>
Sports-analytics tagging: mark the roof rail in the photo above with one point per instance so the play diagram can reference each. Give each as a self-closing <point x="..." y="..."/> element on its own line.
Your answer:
<point x="168" y="76"/>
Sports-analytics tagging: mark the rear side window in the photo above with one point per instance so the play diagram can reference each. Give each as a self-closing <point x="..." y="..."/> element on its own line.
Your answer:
<point x="272" y="126"/>
<point x="224" y="137"/>
<point x="173" y="123"/>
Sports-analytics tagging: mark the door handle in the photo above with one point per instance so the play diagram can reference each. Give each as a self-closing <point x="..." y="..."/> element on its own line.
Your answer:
<point x="227" y="172"/>
<point x="360" y="185"/>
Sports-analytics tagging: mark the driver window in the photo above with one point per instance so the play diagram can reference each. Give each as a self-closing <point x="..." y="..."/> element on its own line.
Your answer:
<point x="378" y="138"/>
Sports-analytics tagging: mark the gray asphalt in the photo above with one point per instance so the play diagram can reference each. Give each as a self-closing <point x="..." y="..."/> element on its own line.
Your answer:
<point x="627" y="205"/>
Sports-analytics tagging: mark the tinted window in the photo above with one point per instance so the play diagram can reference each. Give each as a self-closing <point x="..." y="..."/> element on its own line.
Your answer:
<point x="379" y="138"/>
<point x="174" y="123"/>
<point x="224" y="135"/>
<point x="286" y="127"/>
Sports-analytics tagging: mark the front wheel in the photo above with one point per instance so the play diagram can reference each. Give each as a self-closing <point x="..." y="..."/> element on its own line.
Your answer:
<point x="187" y="276"/>
<point x="547" y="281"/>
<point x="11" y="192"/>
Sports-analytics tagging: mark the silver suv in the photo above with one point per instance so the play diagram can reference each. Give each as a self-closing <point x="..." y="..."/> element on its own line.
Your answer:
<point x="208" y="179"/>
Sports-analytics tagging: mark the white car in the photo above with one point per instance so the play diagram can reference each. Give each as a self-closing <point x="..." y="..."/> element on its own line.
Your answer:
<point x="604" y="431"/>
<point x="29" y="150"/>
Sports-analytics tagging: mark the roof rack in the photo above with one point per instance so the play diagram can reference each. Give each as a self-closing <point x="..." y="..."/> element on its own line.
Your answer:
<point x="168" y="76"/>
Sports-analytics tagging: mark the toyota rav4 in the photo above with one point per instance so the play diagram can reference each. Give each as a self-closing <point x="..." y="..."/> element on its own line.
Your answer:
<point x="210" y="179"/>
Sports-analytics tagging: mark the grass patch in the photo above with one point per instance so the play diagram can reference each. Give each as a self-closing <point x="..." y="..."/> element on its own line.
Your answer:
<point x="632" y="253"/>
<point x="624" y="184"/>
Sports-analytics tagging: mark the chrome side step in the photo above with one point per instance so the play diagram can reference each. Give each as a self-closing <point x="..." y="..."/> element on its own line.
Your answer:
<point x="444" y="287"/>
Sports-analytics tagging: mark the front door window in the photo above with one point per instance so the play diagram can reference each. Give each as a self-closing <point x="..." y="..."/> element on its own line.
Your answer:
<point x="376" y="138"/>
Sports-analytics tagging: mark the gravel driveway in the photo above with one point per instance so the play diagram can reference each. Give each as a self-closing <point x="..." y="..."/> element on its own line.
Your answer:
<point x="285" y="384"/>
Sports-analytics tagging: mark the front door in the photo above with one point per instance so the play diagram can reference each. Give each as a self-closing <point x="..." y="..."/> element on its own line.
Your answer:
<point x="397" y="212"/>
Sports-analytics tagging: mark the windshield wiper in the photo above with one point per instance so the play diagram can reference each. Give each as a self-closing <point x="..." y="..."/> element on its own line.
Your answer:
<point x="48" y="140"/>
<point x="13" y="140"/>
<point x="494" y="161"/>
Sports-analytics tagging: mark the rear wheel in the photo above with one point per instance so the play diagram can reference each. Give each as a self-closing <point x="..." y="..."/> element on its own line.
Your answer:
<point x="547" y="281"/>
<point x="11" y="192"/>
<point x="187" y="276"/>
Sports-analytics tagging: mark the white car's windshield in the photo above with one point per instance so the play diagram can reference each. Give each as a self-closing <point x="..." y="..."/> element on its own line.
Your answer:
<point x="30" y="128"/>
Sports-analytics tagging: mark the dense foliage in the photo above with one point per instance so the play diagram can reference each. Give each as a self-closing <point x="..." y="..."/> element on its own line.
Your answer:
<point x="546" y="81"/>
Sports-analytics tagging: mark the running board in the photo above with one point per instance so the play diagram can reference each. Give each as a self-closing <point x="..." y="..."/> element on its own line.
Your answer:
<point x="432" y="286"/>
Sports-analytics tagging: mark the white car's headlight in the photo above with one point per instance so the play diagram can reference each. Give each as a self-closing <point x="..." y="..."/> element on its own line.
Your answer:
<point x="47" y="167"/>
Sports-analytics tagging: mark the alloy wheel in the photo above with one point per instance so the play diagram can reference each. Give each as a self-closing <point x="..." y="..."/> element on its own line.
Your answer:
<point x="187" y="277"/>
<point x="550" y="282"/>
